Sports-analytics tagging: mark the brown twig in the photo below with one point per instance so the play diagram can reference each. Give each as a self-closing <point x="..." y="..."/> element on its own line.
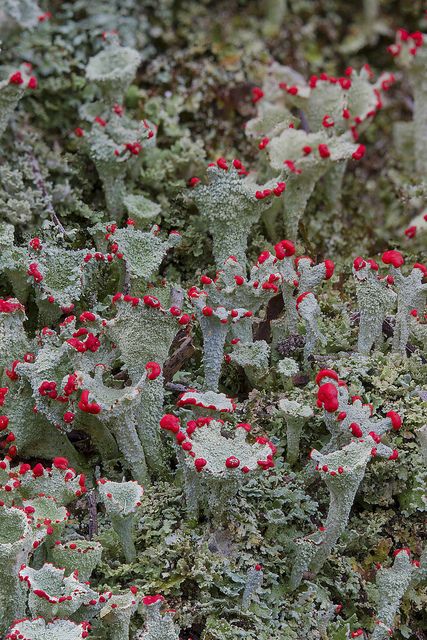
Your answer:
<point x="183" y="353"/>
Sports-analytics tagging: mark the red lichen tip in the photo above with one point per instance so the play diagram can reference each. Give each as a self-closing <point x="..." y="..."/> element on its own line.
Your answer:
<point x="393" y="257"/>
<point x="396" y="420"/>
<point x="327" y="397"/>
<point x="60" y="463"/>
<point x="257" y="94"/>
<point x="284" y="249"/>
<point x="169" y="422"/>
<point x="200" y="463"/>
<point x="323" y="150"/>
<point x="153" y="370"/>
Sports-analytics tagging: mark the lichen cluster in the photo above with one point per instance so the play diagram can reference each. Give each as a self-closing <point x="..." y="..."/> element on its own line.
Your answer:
<point x="213" y="321"/>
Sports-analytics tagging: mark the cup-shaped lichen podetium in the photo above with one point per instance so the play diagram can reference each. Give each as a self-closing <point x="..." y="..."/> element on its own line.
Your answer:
<point x="296" y="415"/>
<point x="232" y="203"/>
<point x="113" y="70"/>
<point x="215" y="463"/>
<point x="116" y="614"/>
<point x="52" y="594"/>
<point x="121" y="501"/>
<point x="343" y="471"/>
<point x="83" y="555"/>
<point x="253" y="357"/>
<point x="158" y="624"/>
<point x="392" y="584"/>
<point x="39" y="629"/>
<point x="17" y="540"/>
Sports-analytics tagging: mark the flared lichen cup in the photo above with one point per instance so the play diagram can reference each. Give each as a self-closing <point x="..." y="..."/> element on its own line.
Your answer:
<point x="113" y="70"/>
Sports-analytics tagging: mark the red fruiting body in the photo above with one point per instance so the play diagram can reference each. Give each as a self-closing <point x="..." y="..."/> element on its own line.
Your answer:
<point x="9" y="307"/>
<point x="222" y="164"/>
<point x="374" y="265"/>
<point x="34" y="272"/>
<point x="100" y="121"/>
<point x="86" y="406"/>
<point x="341" y="416"/>
<point x="264" y="142"/>
<point x="38" y="470"/>
<point x="244" y="425"/>
<point x="393" y="257"/>
<point x="68" y="417"/>
<point x="154" y="370"/>
<point x="329" y="269"/>
<point x="169" y="422"/>
<point x="180" y="437"/>
<point x="421" y="267"/>
<point x="356" y="430"/>
<point x="32" y="83"/>
<point x="410" y="232"/>
<point x="48" y="389"/>
<point x="35" y="244"/>
<point x="394" y="455"/>
<point x="359" y="153"/>
<point x="356" y="634"/>
<point x="199" y="463"/>
<point x="11" y="373"/>
<point x="147" y="600"/>
<point x="263" y="257"/>
<point x="257" y="94"/>
<point x="324" y="151"/>
<point x="205" y="279"/>
<point x="87" y="316"/>
<point x="151" y="301"/>
<point x="207" y="311"/>
<point x="239" y="280"/>
<point x="327" y="121"/>
<point x="284" y="249"/>
<point x="396" y="420"/>
<point x="291" y="166"/>
<point x="279" y="188"/>
<point x="327" y="396"/>
<point x="3" y="393"/>
<point x="359" y="263"/>
<point x="375" y="437"/>
<point x="60" y="463"/>
<point x="232" y="462"/>
<point x="16" y="78"/>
